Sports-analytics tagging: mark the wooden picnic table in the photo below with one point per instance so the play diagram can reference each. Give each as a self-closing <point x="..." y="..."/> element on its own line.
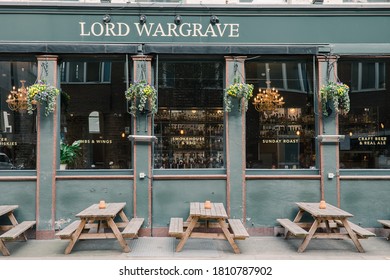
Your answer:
<point x="14" y="230"/>
<point x="215" y="217"/>
<point x="327" y="224"/>
<point x="96" y="223"/>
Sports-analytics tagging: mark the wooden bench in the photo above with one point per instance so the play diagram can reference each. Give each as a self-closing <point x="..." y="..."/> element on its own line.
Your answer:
<point x="176" y="227"/>
<point x="132" y="228"/>
<point x="386" y="224"/>
<point x="292" y="227"/>
<point x="66" y="232"/>
<point x="361" y="232"/>
<point x="17" y="230"/>
<point x="238" y="229"/>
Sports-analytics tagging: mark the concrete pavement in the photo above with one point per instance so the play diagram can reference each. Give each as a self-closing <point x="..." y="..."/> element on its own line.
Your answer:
<point x="156" y="248"/>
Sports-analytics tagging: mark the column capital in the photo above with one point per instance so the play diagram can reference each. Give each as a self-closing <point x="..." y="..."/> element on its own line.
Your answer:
<point x="325" y="58"/>
<point x="235" y="58"/>
<point x="47" y="57"/>
<point x="142" y="57"/>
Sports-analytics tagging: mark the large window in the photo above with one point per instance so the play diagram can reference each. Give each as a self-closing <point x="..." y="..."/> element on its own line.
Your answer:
<point x="86" y="72"/>
<point x="281" y="136"/>
<point x="366" y="127"/>
<point x="18" y="134"/>
<point x="94" y="111"/>
<point x="189" y="122"/>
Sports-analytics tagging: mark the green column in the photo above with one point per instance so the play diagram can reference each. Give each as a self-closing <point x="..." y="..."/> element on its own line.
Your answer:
<point x="142" y="150"/>
<point x="328" y="125"/>
<point x="46" y="154"/>
<point x="235" y="144"/>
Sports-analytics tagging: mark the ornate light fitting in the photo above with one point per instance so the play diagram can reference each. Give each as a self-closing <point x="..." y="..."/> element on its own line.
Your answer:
<point x="17" y="99"/>
<point x="268" y="100"/>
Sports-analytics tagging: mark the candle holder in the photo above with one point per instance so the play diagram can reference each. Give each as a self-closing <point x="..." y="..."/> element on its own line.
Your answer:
<point x="207" y="204"/>
<point x="322" y="204"/>
<point x="102" y="204"/>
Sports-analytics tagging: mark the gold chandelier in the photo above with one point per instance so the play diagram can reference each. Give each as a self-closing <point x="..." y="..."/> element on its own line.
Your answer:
<point x="17" y="99"/>
<point x="268" y="100"/>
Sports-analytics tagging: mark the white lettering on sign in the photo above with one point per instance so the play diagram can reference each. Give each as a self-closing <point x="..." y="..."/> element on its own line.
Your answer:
<point x="152" y="29"/>
<point x="372" y="140"/>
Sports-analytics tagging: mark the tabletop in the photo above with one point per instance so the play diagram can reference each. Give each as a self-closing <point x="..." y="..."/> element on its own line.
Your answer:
<point x="217" y="210"/>
<point x="4" y="209"/>
<point x="329" y="211"/>
<point x="93" y="211"/>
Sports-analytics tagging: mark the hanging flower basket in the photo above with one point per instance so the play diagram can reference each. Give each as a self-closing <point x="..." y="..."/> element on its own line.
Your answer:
<point x="335" y="96"/>
<point x="142" y="96"/>
<point x="238" y="91"/>
<point x="43" y="94"/>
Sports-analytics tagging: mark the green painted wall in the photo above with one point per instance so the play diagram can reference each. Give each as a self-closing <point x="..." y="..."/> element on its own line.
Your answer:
<point x="22" y="193"/>
<point x="367" y="200"/>
<point x="74" y="196"/>
<point x="172" y="198"/>
<point x="268" y="200"/>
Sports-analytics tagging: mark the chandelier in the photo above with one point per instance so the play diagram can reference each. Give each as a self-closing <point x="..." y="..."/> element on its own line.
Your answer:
<point x="268" y="100"/>
<point x="17" y="99"/>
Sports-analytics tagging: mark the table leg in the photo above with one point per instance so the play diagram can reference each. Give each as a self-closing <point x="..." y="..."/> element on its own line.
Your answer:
<point x="352" y="235"/>
<point x="308" y="237"/>
<point x="118" y="235"/>
<point x="187" y="234"/>
<point x="123" y="216"/>
<point x="75" y="237"/>
<point x="4" y="249"/>
<point x="14" y="222"/>
<point x="297" y="218"/>
<point x="228" y="236"/>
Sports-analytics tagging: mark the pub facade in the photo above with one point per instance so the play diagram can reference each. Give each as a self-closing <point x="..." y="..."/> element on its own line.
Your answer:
<point x="257" y="161"/>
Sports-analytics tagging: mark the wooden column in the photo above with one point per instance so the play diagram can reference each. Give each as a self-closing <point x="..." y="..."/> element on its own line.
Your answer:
<point x="235" y="146"/>
<point x="328" y="125"/>
<point x="142" y="150"/>
<point x="47" y="146"/>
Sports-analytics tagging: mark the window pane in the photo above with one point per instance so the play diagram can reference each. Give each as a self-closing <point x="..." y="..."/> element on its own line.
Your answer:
<point x="189" y="123"/>
<point x="293" y="76"/>
<point x="76" y="72"/>
<point x="93" y="71"/>
<point x="18" y="136"/>
<point x="95" y="114"/>
<point x="368" y="76"/>
<point x="366" y="126"/>
<point x="281" y="137"/>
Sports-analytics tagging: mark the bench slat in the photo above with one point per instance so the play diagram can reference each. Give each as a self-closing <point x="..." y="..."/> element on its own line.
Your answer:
<point x="69" y="229"/>
<point x="17" y="230"/>
<point x="361" y="232"/>
<point x="238" y="229"/>
<point x="176" y="227"/>
<point x="131" y="230"/>
<point x="385" y="223"/>
<point x="292" y="227"/>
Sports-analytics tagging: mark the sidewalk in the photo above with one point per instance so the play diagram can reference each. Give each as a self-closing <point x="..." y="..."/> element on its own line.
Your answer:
<point x="163" y="248"/>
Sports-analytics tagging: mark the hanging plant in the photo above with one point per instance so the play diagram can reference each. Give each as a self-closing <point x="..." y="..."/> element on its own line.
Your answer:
<point x="238" y="91"/>
<point x="336" y="95"/>
<point x="44" y="94"/>
<point x="142" y="94"/>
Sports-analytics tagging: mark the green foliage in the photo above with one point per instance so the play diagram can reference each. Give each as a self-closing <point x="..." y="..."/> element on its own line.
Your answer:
<point x="140" y="93"/>
<point x="69" y="153"/>
<point x="237" y="90"/>
<point x="44" y="94"/>
<point x="338" y="95"/>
